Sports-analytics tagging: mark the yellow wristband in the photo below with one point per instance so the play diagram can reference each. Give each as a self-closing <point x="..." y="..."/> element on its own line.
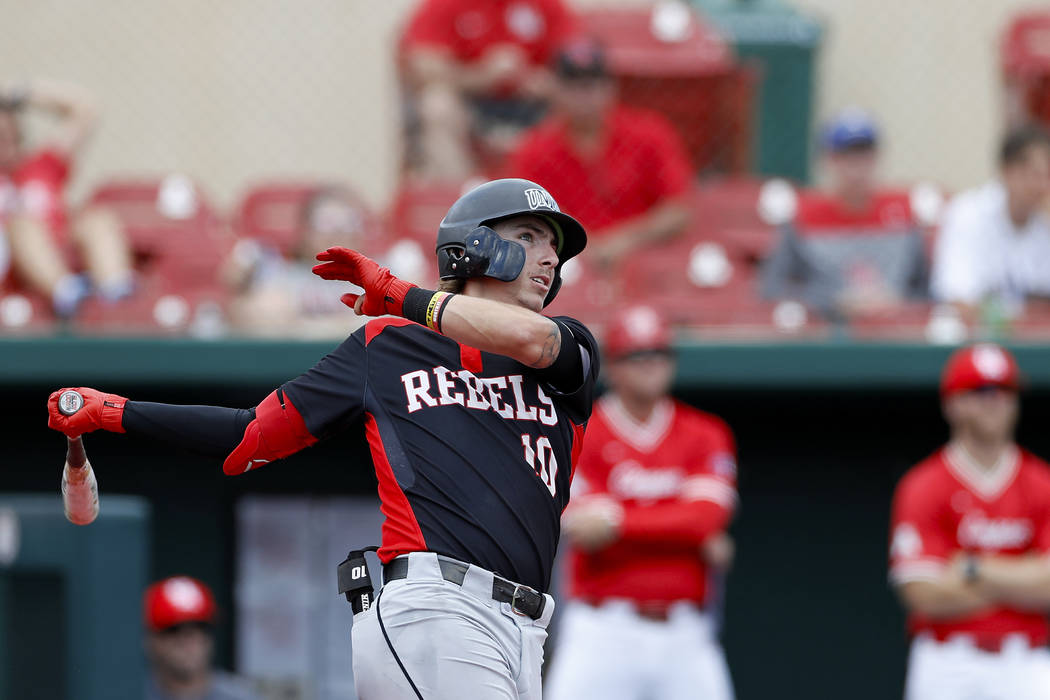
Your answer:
<point x="434" y="310"/>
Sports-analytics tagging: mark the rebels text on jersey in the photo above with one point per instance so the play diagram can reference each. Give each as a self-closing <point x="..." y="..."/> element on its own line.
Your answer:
<point x="474" y="451"/>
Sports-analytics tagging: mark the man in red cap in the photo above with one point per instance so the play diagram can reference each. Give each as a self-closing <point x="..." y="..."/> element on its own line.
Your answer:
<point x="653" y="492"/>
<point x="179" y="614"/>
<point x="970" y="545"/>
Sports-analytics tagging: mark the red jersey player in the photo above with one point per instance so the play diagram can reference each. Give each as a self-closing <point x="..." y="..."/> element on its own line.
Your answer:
<point x="970" y="543"/>
<point x="653" y="491"/>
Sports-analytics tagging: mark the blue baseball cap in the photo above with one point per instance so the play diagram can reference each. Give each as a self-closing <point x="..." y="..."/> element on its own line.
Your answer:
<point x="850" y="128"/>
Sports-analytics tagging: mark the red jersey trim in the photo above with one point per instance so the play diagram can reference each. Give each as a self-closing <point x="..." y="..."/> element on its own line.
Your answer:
<point x="644" y="437"/>
<point x="988" y="484"/>
<point x="470" y="358"/>
<point x="401" y="531"/>
<point x="374" y="328"/>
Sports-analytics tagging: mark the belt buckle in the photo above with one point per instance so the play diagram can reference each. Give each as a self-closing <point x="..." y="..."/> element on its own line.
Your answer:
<point x="517" y="599"/>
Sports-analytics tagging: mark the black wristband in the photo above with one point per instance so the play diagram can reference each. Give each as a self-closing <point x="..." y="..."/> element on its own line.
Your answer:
<point x="414" y="307"/>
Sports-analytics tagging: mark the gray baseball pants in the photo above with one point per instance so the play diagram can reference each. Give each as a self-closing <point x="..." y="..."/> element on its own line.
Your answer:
<point x="454" y="641"/>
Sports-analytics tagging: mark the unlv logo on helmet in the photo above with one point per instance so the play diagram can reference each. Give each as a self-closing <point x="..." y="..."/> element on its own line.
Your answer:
<point x="540" y="199"/>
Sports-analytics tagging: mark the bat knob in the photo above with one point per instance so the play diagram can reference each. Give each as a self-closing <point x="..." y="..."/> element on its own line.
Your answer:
<point x="69" y="402"/>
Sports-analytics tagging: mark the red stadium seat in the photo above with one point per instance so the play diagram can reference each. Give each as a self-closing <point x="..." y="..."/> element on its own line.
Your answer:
<point x="158" y="213"/>
<point x="726" y="211"/>
<point x="159" y="306"/>
<point x="692" y="78"/>
<point x="418" y="208"/>
<point x="273" y="213"/>
<point x="178" y="239"/>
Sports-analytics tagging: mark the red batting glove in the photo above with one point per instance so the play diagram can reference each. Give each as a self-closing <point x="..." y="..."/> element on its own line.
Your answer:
<point x="384" y="293"/>
<point x="100" y="412"/>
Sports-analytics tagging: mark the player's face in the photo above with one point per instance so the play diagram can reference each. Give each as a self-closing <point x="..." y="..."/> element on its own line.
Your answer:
<point x="1028" y="181"/>
<point x="531" y="287"/>
<point x="183" y="651"/>
<point x="644" y="376"/>
<point x="9" y="141"/>
<point x="988" y="414"/>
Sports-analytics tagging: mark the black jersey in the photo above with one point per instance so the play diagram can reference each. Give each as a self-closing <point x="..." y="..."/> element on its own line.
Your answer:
<point x="474" y="451"/>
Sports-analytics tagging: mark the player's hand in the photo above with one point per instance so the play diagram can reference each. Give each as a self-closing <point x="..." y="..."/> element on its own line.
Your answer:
<point x="593" y="523"/>
<point x="384" y="293"/>
<point x="100" y="412"/>
<point x="718" y="551"/>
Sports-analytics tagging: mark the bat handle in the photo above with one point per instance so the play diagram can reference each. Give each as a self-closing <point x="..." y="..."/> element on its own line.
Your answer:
<point x="76" y="457"/>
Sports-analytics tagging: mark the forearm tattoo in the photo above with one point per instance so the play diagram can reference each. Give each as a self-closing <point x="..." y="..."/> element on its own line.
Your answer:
<point x="551" y="347"/>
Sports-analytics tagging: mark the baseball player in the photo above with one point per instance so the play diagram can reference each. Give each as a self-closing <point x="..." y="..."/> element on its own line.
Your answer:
<point x="654" y="490"/>
<point x="474" y="406"/>
<point x="970" y="545"/>
<point x="179" y="614"/>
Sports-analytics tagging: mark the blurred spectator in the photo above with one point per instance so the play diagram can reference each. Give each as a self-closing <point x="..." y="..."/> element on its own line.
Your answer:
<point x="278" y="295"/>
<point x="993" y="251"/>
<point x="477" y="68"/>
<point x="856" y="249"/>
<point x="970" y="544"/>
<point x="622" y="172"/>
<point x="179" y="615"/>
<point x="653" y="492"/>
<point x="47" y="248"/>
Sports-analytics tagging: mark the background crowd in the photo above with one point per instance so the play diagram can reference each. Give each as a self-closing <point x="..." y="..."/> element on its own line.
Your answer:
<point x="649" y="137"/>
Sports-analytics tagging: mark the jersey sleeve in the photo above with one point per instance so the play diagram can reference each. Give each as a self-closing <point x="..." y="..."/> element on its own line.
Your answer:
<point x="703" y="505"/>
<point x="574" y="374"/>
<point x="330" y="395"/>
<point x="919" y="545"/>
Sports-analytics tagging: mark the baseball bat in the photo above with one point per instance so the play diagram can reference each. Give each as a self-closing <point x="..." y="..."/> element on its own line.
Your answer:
<point x="79" y="487"/>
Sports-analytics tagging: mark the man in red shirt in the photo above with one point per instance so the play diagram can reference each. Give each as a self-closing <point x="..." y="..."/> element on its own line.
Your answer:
<point x="855" y="249"/>
<point x="653" y="492"/>
<point x="477" y="66"/>
<point x="622" y="171"/>
<point x="970" y="545"/>
<point x="36" y="217"/>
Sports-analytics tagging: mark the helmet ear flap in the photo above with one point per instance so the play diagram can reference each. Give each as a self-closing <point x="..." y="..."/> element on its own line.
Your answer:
<point x="487" y="253"/>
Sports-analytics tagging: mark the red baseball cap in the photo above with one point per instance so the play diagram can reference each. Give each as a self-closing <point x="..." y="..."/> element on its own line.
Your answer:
<point x="637" y="329"/>
<point x="985" y="364"/>
<point x="176" y="600"/>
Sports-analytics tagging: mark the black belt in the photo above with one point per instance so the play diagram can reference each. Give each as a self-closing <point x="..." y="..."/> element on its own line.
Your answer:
<point x="523" y="600"/>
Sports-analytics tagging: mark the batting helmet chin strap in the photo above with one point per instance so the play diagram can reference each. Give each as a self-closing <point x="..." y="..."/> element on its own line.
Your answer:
<point x="487" y="254"/>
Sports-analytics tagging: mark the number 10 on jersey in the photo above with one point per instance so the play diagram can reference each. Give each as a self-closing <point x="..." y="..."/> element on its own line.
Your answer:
<point x="542" y="460"/>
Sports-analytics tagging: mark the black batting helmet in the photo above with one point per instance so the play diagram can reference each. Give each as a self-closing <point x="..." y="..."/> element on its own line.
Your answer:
<point x="467" y="246"/>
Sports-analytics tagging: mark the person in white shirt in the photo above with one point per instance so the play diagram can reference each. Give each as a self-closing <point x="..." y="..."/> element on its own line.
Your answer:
<point x="994" y="243"/>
